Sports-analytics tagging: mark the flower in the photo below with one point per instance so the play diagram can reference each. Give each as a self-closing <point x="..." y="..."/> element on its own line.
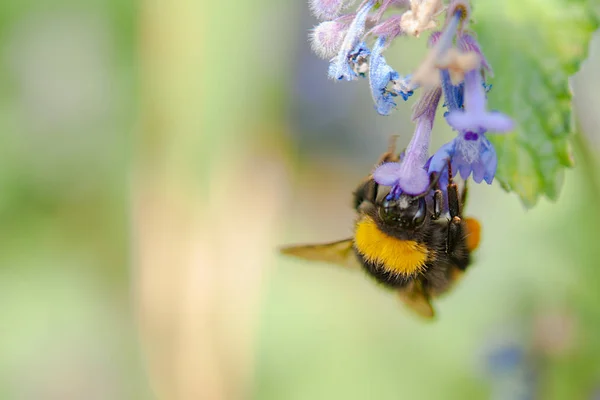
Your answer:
<point x="410" y="175"/>
<point x="468" y="43"/>
<point x="471" y="151"/>
<point x="403" y="87"/>
<point x="453" y="94"/>
<point x="475" y="117"/>
<point x="351" y="48"/>
<point x="453" y="90"/>
<point x="421" y="16"/>
<point x="454" y="66"/>
<point x="468" y="152"/>
<point x="427" y="74"/>
<point x="359" y="59"/>
<point x="457" y="63"/>
<point x="327" y="37"/>
<point x="380" y="76"/>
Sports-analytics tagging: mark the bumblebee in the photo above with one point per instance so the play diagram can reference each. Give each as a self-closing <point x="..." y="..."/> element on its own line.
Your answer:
<point x="403" y="243"/>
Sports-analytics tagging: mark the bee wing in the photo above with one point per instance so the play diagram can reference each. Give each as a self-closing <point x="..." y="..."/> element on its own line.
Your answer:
<point x="339" y="252"/>
<point x="417" y="300"/>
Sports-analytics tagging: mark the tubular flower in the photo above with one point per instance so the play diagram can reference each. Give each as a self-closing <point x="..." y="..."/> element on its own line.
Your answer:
<point x="427" y="74"/>
<point x="471" y="151"/>
<point x="410" y="175"/>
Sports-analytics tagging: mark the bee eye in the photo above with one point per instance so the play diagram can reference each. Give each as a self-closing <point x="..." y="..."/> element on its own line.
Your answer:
<point x="388" y="211"/>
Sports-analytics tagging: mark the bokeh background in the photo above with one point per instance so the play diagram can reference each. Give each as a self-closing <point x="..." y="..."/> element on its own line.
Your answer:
<point x="154" y="155"/>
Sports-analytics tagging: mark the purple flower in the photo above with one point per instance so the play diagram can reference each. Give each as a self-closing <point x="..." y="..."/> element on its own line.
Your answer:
<point x="327" y="37"/>
<point x="380" y="76"/>
<point x="471" y="151"/>
<point x="475" y="116"/>
<point x="404" y="87"/>
<point x="427" y="73"/>
<point x="410" y="175"/>
<point x="467" y="43"/>
<point x="468" y="152"/>
<point x="341" y="67"/>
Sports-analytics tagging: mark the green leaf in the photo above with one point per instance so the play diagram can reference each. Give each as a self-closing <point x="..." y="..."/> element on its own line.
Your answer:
<point x="533" y="47"/>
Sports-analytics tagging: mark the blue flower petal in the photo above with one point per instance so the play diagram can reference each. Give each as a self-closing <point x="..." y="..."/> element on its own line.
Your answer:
<point x="468" y="156"/>
<point x="464" y="168"/>
<point x="452" y="93"/>
<point x="505" y="359"/>
<point x="358" y="59"/>
<point x="478" y="168"/>
<point x="340" y="67"/>
<point x="489" y="160"/>
<point x="439" y="160"/>
<point x="402" y="87"/>
<point x="380" y="75"/>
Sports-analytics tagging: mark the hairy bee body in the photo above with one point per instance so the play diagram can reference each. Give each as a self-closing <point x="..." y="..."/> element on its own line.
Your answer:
<point x="406" y="260"/>
<point x="404" y="244"/>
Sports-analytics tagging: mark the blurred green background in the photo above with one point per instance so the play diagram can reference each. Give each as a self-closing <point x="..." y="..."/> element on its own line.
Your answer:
<point x="153" y="156"/>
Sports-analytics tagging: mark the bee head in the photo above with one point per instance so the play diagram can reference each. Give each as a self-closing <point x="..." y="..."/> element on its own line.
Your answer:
<point x="406" y="212"/>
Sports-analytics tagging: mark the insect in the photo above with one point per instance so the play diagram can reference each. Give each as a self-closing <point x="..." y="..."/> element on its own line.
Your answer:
<point x="403" y="243"/>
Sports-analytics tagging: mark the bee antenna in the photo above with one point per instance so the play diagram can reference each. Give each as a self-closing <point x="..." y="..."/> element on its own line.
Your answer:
<point x="449" y="172"/>
<point x="392" y="143"/>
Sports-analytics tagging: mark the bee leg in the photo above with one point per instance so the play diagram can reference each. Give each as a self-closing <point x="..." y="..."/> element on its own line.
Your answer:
<point x="455" y="244"/>
<point x="455" y="226"/>
<point x="416" y="297"/>
<point x="454" y="205"/>
<point x="438" y="198"/>
<point x="455" y="235"/>
<point x="390" y="154"/>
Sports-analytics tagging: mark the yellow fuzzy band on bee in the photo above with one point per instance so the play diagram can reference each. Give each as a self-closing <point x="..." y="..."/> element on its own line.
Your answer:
<point x="405" y="257"/>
